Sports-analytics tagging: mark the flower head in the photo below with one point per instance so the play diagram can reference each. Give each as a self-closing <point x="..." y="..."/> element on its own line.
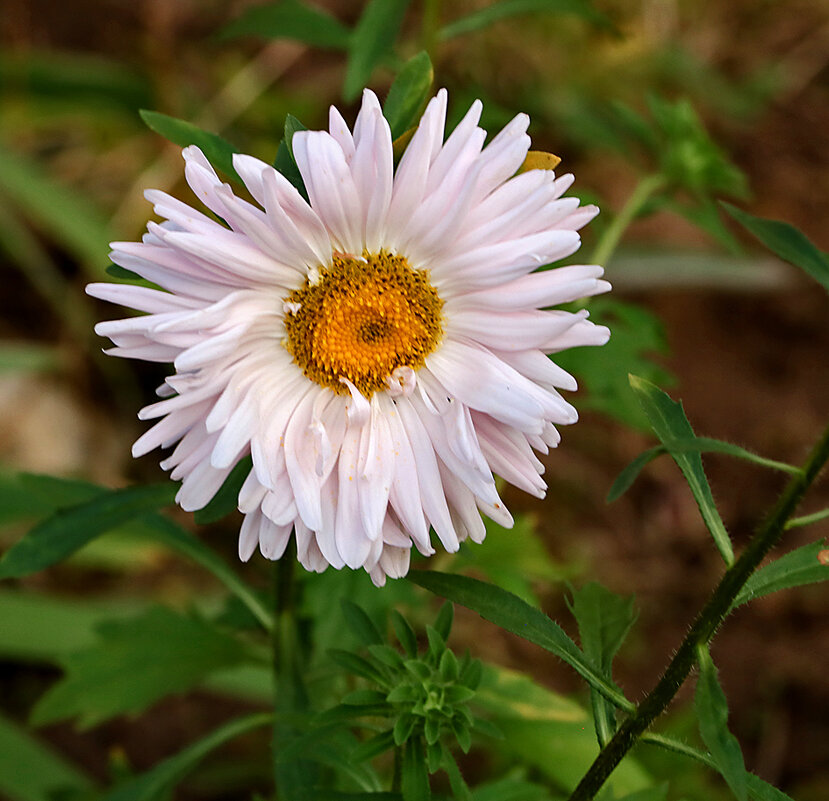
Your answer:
<point x="379" y="350"/>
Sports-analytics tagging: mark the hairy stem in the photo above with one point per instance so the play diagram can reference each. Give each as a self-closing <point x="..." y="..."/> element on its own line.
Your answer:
<point x="704" y="626"/>
<point x="609" y="241"/>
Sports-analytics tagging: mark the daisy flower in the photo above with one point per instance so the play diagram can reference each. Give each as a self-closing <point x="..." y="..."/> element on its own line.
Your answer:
<point x="379" y="350"/>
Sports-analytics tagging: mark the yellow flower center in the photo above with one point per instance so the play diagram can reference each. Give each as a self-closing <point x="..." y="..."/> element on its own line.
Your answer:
<point x="361" y="320"/>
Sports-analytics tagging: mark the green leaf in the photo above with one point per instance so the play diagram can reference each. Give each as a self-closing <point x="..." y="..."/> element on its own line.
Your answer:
<point x="626" y="478"/>
<point x="163" y="530"/>
<point x="785" y="241"/>
<point x="511" y="613"/>
<point x="459" y="787"/>
<point x="443" y="622"/>
<point x="802" y="566"/>
<point x="603" y="372"/>
<point x="379" y="744"/>
<point x="225" y="500"/>
<point x="604" y="620"/>
<point x="67" y="530"/>
<point x="405" y="633"/>
<point x="360" y="623"/>
<point x="134" y="663"/>
<point x="372" y="40"/>
<point x="511" y="788"/>
<point x="712" y="712"/>
<point x="31" y="771"/>
<point x="219" y="152"/>
<point x="547" y="731"/>
<point x="408" y="93"/>
<point x="284" y="162"/>
<point x="758" y="789"/>
<point x="156" y="782"/>
<point x="493" y="12"/>
<point x="658" y="793"/>
<point x="670" y="424"/>
<point x="291" y="19"/>
<point x="414" y="774"/>
<point x="64" y="214"/>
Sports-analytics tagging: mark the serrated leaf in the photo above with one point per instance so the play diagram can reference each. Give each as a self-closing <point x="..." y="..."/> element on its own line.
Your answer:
<point x="218" y="151"/>
<point x="799" y="567"/>
<point x="372" y="39"/>
<point x="493" y="12"/>
<point x="604" y="620"/>
<point x="151" y="785"/>
<point x="361" y="624"/>
<point x="414" y="774"/>
<point x="135" y="663"/>
<point x="669" y="423"/>
<point x="408" y="94"/>
<point x="511" y="613"/>
<point x="291" y="19"/>
<point x="403" y="728"/>
<point x="31" y="771"/>
<point x="785" y="241"/>
<point x="458" y="785"/>
<point x="226" y="499"/>
<point x="712" y="712"/>
<point x="65" y="531"/>
<point x="405" y="633"/>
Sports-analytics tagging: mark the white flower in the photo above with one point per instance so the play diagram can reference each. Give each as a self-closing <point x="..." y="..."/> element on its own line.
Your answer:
<point x="379" y="351"/>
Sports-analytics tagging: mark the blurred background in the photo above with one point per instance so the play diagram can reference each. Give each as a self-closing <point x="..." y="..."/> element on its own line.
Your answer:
<point x="621" y="90"/>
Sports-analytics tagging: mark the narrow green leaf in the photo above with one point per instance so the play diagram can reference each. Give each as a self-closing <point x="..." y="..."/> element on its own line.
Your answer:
<point x="284" y="162"/>
<point x="670" y="424"/>
<point x="219" y="151"/>
<point x="414" y="773"/>
<point x="163" y="530"/>
<point x="67" y="530"/>
<point x="164" y="776"/>
<point x="63" y="214"/>
<point x="493" y="12"/>
<point x="460" y="789"/>
<point x="225" y="500"/>
<point x="511" y="613"/>
<point x="785" y="241"/>
<point x="443" y="622"/>
<point x="31" y="771"/>
<point x="604" y="620"/>
<point x="626" y="478"/>
<point x="807" y="520"/>
<point x="712" y="712"/>
<point x="379" y="744"/>
<point x="134" y="663"/>
<point x="408" y="93"/>
<point x="805" y="565"/>
<point x="758" y="789"/>
<point x="373" y="39"/>
<point x="291" y="19"/>
<point x="405" y="633"/>
<point x="624" y="481"/>
<point x="360" y="623"/>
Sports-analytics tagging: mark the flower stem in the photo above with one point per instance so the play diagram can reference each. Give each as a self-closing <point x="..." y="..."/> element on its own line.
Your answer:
<point x="704" y="627"/>
<point x="292" y="777"/>
<point x="609" y="241"/>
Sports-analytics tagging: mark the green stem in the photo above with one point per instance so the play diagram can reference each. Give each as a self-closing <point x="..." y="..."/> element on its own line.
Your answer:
<point x="609" y="241"/>
<point x="707" y="622"/>
<point x="807" y="520"/>
<point x="292" y="777"/>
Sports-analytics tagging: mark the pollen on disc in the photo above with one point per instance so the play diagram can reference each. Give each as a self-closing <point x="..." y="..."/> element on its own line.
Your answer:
<point x="361" y="320"/>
